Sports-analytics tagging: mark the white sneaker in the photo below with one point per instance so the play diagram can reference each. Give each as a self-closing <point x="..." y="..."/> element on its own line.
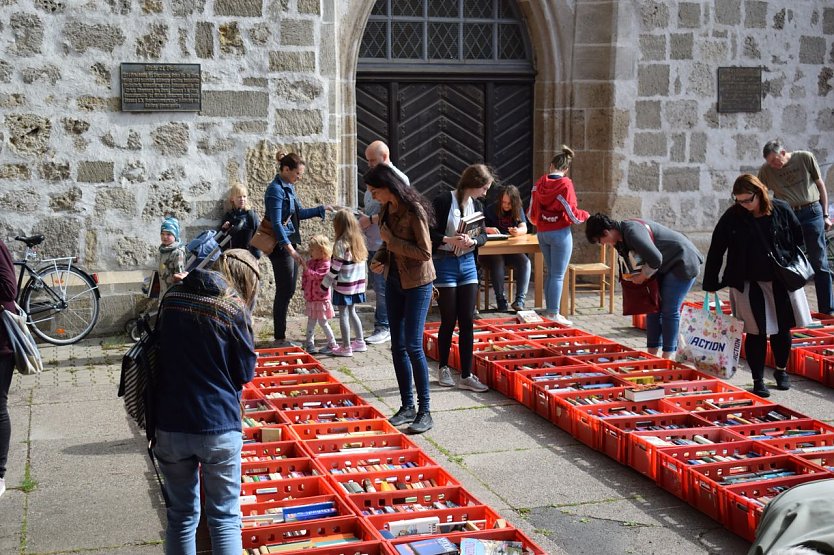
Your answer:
<point x="559" y="319"/>
<point x="379" y="336"/>
<point x="472" y="383"/>
<point x="444" y="377"/>
<point x="2" y="486"/>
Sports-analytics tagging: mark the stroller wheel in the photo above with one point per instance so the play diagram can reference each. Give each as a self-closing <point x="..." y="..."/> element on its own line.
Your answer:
<point x="132" y="329"/>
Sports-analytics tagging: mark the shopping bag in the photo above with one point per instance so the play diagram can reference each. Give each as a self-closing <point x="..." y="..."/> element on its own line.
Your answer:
<point x="710" y="340"/>
<point x="27" y="356"/>
<point x="138" y="379"/>
<point x="643" y="298"/>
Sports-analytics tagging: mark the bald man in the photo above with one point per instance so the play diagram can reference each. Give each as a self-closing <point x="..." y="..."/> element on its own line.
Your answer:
<point x="377" y="153"/>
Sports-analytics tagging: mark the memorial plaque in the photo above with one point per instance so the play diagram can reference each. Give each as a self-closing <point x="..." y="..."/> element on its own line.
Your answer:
<point x="161" y="87"/>
<point x="739" y="89"/>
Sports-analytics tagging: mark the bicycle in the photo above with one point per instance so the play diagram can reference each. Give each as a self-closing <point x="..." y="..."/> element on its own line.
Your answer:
<point x="61" y="300"/>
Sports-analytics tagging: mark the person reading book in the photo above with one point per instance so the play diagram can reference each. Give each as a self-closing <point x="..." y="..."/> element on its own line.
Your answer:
<point x="453" y="253"/>
<point x="508" y="218"/>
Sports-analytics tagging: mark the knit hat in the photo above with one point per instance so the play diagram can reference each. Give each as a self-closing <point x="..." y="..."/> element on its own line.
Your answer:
<point x="172" y="226"/>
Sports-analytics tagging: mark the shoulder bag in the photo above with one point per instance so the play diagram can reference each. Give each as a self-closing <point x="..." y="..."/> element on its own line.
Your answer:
<point x="264" y="238"/>
<point x="643" y="298"/>
<point x="793" y="274"/>
<point x="27" y="356"/>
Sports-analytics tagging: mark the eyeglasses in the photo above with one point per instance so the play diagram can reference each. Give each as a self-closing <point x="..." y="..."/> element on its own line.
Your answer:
<point x="745" y="201"/>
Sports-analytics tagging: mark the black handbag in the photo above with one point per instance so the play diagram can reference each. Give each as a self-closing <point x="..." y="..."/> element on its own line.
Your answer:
<point x="793" y="274"/>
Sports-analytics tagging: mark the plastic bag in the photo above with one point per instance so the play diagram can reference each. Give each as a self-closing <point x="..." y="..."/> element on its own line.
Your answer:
<point x="710" y="340"/>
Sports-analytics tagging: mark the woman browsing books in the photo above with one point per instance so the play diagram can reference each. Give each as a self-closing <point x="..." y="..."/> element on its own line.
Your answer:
<point x="458" y="231"/>
<point x="507" y="217"/>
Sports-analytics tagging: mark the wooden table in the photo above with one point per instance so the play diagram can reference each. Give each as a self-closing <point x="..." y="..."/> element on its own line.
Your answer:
<point x="527" y="244"/>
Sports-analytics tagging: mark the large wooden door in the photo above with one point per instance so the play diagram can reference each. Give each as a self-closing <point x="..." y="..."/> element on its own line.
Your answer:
<point x="436" y="129"/>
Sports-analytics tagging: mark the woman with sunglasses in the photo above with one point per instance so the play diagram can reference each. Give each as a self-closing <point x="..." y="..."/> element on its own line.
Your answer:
<point x="750" y="229"/>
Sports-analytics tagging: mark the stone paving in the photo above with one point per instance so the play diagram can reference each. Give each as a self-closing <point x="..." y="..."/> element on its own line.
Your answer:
<point x="80" y="481"/>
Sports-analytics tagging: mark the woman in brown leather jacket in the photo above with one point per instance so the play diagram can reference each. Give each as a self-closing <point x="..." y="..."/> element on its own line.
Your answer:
<point x="405" y="259"/>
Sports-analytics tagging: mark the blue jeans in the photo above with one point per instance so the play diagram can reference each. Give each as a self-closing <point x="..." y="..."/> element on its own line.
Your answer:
<point x="556" y="247"/>
<point x="381" y="311"/>
<point x="518" y="262"/>
<point x="407" y="311"/>
<point x="664" y="325"/>
<point x="813" y="233"/>
<point x="181" y="457"/>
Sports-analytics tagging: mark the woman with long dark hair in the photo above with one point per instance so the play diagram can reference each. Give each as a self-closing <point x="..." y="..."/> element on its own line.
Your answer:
<point x="405" y="260"/>
<point x="508" y="218"/>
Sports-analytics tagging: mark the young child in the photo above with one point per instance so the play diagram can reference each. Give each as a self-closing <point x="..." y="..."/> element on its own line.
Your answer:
<point x="171" y="253"/>
<point x="347" y="276"/>
<point x="319" y="308"/>
<point x="240" y="210"/>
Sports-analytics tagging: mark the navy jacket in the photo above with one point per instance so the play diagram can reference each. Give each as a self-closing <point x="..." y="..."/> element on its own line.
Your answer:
<point x="284" y="211"/>
<point x="206" y="355"/>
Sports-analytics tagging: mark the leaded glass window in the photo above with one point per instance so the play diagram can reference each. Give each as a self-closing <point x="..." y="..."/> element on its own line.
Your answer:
<point x="445" y="32"/>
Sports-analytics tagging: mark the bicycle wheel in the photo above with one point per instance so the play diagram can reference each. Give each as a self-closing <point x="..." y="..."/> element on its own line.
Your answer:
<point x="62" y="304"/>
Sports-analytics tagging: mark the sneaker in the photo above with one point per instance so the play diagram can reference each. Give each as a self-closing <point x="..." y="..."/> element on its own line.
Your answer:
<point x="476" y="315"/>
<point x="358" y="346"/>
<point x="310" y="347"/>
<point x="328" y="349"/>
<point x="783" y="382"/>
<point x="339" y="351"/>
<point x="518" y="305"/>
<point x="760" y="389"/>
<point x="405" y="415"/>
<point x="2" y="486"/>
<point x="502" y="305"/>
<point x="380" y="335"/>
<point x="284" y="342"/>
<point x="472" y="383"/>
<point x="422" y="423"/>
<point x="444" y="377"/>
<point x="559" y="319"/>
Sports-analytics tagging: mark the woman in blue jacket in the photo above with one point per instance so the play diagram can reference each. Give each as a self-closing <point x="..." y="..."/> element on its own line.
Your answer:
<point x="284" y="211"/>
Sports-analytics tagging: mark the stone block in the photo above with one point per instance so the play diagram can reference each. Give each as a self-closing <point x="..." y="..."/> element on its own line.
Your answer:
<point x="134" y="171"/>
<point x="794" y="120"/>
<point x="593" y="95"/>
<point x="653" y="80"/>
<point x="204" y="40"/>
<point x="594" y="22"/>
<point x="66" y="201"/>
<point x="82" y="37"/>
<point x="133" y="252"/>
<point x="215" y="146"/>
<point x="825" y="121"/>
<point x="260" y="34"/>
<point x="750" y="48"/>
<point x="259" y="82"/>
<point x="701" y="80"/>
<point x="681" y="179"/>
<point x="98" y="104"/>
<point x="681" y="114"/>
<point x="15" y="171"/>
<point x="49" y="74"/>
<point x="303" y="91"/>
<point x="120" y="199"/>
<point x="643" y="176"/>
<point x="152" y="6"/>
<point x="183" y="8"/>
<point x="163" y="199"/>
<point x="698" y="147"/>
<point x="748" y="147"/>
<point x="95" y="172"/>
<point x="828" y="21"/>
<point x="298" y="32"/>
<point x="812" y="50"/>
<point x="653" y="48"/>
<point x="728" y="12"/>
<point x="231" y="42"/>
<point x="299" y="123"/>
<point x="650" y="144"/>
<point x="755" y="14"/>
<point x="235" y="104"/>
<point x="171" y="139"/>
<point x="689" y="15"/>
<point x="309" y="6"/>
<point x="55" y="171"/>
<point x="150" y="45"/>
<point x="11" y="101"/>
<point x="293" y="62"/>
<point x="75" y="126"/>
<point x="328" y="53"/>
<point x="28" y="133"/>
<point x="101" y="74"/>
<point x="247" y="127"/>
<point x="648" y="114"/>
<point x="50" y="6"/>
<point x="5" y="72"/>
<point x="120" y="7"/>
<point x="592" y="63"/>
<point x="238" y="8"/>
<point x="63" y="235"/>
<point x="27" y="32"/>
<point x="824" y="80"/>
<point x="677" y="152"/>
<point x="680" y="46"/>
<point x="654" y="15"/>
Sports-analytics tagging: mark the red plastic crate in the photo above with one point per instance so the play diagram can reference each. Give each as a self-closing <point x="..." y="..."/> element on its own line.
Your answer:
<point x="524" y="374"/>
<point x="485" y="353"/>
<point x="559" y="404"/>
<point x="368" y="445"/>
<point x="359" y="464"/>
<point x="645" y="445"/>
<point x="587" y="419"/>
<point x="639" y="321"/>
<point x="406" y="479"/>
<point x="730" y="417"/>
<point x="615" y="433"/>
<point x="501" y="366"/>
<point x="505" y="534"/>
<point x="261" y="509"/>
<point x="367" y="504"/>
<point x="742" y="511"/>
<point x="273" y="422"/>
<point x="299" y="532"/>
<point x="673" y="390"/>
<point x="346" y="430"/>
<point x="580" y="344"/>
<point x="479" y="515"/>
<point x="309" y="402"/>
<point x="534" y="326"/>
<point x="331" y="414"/>
<point x="430" y="343"/>
<point x="815" y="363"/>
<point x="287" y="380"/>
<point x="677" y="374"/>
<point x="251" y="401"/>
<point x="276" y="450"/>
<point x="276" y="395"/>
<point x="284" y="467"/>
<point x="716" y="401"/>
<point x="823" y="460"/>
<point x="766" y="431"/>
<point x="803" y="446"/>
<point x="556" y="336"/>
<point x="616" y="353"/>
<point x="673" y="463"/>
<point x="279" y="490"/>
<point x="706" y="487"/>
<point x="280" y="351"/>
<point x="801" y="338"/>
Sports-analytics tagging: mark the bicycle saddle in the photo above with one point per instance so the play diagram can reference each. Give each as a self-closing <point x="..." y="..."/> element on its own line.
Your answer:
<point x="30" y="241"/>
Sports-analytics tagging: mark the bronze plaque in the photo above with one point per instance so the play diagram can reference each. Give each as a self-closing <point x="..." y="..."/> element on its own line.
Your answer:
<point x="739" y="89"/>
<point x="161" y="87"/>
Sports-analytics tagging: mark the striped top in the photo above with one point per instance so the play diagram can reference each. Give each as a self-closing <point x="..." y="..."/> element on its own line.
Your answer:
<point x="346" y="276"/>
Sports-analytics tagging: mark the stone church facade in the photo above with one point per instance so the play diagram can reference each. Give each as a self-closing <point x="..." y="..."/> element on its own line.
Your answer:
<point x="631" y="85"/>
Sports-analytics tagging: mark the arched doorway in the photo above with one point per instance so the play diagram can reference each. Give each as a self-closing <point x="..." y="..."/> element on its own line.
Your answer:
<point x="447" y="83"/>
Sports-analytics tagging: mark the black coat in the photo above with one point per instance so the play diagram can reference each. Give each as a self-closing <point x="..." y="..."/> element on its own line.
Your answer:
<point x="735" y="234"/>
<point x="442" y="203"/>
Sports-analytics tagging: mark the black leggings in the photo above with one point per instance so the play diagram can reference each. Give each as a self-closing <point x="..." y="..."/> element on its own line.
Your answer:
<point x="457" y="305"/>
<point x="755" y="349"/>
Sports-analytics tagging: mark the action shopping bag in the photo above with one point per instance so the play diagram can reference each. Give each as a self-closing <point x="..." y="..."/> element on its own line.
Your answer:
<point x="710" y="340"/>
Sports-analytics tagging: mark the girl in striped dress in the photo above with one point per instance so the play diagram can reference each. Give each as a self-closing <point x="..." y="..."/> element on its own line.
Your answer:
<point x="347" y="276"/>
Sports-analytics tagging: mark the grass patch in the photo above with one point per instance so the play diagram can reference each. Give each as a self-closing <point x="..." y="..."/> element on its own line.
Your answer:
<point x="346" y="371"/>
<point x="28" y="484"/>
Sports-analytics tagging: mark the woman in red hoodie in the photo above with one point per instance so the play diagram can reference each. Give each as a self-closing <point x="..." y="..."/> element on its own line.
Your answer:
<point x="552" y="210"/>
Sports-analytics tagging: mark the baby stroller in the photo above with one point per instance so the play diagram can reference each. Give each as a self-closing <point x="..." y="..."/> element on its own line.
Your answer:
<point x="202" y="251"/>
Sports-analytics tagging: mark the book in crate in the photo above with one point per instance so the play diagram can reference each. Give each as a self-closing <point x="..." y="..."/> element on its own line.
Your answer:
<point x="528" y="316"/>
<point x="644" y="393"/>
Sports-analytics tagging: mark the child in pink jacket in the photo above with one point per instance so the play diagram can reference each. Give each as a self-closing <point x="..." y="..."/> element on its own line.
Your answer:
<point x="319" y="307"/>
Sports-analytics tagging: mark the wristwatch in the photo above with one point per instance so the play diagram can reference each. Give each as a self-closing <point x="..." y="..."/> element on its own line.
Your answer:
<point x="825" y="216"/>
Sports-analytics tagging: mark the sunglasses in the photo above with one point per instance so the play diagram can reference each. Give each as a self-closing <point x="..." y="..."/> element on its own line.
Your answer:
<point x="746" y="201"/>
